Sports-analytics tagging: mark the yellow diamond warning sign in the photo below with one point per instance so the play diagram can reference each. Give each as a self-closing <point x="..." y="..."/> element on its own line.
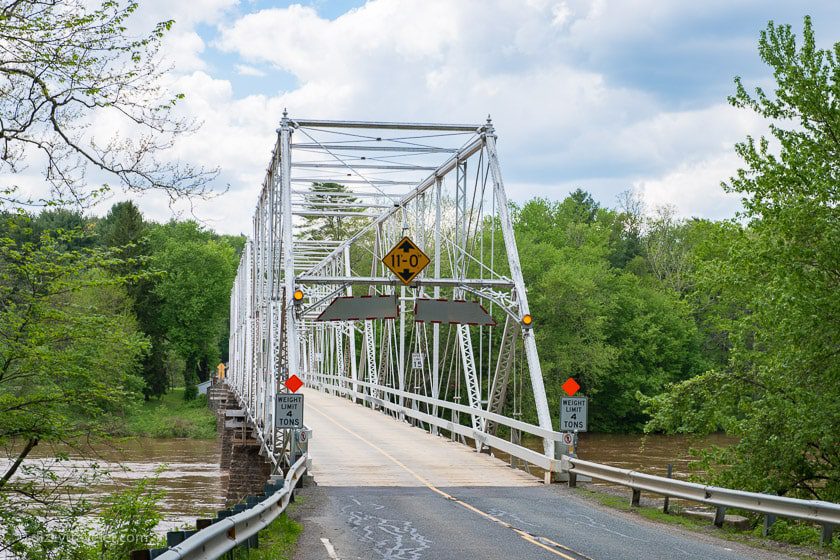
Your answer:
<point x="406" y="260"/>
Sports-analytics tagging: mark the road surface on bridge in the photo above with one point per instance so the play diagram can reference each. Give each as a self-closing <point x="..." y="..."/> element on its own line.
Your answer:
<point x="385" y="489"/>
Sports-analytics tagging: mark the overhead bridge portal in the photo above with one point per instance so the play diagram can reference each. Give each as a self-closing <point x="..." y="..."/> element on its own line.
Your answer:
<point x="448" y="346"/>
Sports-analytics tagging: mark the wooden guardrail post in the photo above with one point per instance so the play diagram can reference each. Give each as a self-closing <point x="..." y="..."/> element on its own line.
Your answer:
<point x="769" y="519"/>
<point x="720" y="516"/>
<point x="667" y="502"/>
<point x="826" y="533"/>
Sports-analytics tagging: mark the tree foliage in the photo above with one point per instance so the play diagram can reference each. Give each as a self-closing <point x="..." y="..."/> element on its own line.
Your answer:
<point x="773" y="294"/>
<point x="68" y="344"/>
<point x="83" y="324"/>
<point x="328" y="226"/>
<point x="616" y="330"/>
<point x="84" y="101"/>
<point x="194" y="290"/>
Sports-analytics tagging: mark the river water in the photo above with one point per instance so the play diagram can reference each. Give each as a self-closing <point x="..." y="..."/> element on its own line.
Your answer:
<point x="649" y="454"/>
<point x="188" y="476"/>
<point x="193" y="486"/>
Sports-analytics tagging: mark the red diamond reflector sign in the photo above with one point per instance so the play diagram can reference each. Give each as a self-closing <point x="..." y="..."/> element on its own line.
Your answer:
<point x="570" y="387"/>
<point x="293" y="383"/>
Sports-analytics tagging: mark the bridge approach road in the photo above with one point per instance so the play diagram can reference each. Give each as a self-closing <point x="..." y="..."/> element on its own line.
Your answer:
<point x="385" y="489"/>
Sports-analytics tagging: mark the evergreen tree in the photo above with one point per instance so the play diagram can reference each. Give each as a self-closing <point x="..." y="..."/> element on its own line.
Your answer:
<point x="327" y="226"/>
<point x="124" y="230"/>
<point x="122" y="226"/>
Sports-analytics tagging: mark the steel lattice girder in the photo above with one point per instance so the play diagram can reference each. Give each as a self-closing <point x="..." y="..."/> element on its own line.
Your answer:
<point x="328" y="244"/>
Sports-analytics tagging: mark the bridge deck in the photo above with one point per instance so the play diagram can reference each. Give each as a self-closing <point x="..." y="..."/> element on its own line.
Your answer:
<point x="387" y="490"/>
<point x="357" y="446"/>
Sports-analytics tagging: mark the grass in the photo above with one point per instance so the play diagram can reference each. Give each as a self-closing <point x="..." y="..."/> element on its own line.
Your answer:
<point x="793" y="532"/>
<point x="169" y="417"/>
<point x="276" y="542"/>
<point x="802" y="536"/>
<point x="653" y="514"/>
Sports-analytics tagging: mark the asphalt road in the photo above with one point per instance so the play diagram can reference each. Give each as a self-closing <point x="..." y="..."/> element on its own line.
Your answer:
<point x="387" y="490"/>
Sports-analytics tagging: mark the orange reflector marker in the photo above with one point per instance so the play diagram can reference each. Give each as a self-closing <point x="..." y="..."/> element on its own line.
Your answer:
<point x="527" y="320"/>
<point x="298" y="295"/>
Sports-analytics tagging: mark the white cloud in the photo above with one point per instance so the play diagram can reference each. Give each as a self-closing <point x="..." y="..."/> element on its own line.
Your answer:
<point x="184" y="49"/>
<point x="438" y="60"/>
<point x="694" y="188"/>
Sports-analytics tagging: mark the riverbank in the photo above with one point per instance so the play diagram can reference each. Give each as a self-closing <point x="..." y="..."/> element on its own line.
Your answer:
<point x="168" y="417"/>
<point x="788" y="537"/>
<point x="278" y="541"/>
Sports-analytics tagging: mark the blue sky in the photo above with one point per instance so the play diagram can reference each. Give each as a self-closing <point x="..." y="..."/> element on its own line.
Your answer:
<point x="602" y="95"/>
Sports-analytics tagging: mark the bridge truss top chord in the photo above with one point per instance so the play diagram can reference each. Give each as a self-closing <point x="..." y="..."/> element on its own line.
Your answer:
<point x="359" y="187"/>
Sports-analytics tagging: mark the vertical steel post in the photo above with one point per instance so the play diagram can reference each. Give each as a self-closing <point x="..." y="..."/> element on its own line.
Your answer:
<point x="401" y="355"/>
<point x="292" y="361"/>
<point x="436" y="292"/>
<point x="354" y="373"/>
<point x="534" y="367"/>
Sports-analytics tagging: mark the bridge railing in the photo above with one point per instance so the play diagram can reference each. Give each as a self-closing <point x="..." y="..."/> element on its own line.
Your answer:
<point x="225" y="534"/>
<point x="345" y="387"/>
<point x="826" y="514"/>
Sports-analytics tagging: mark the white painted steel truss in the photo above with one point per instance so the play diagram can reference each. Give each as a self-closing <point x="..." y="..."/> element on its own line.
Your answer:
<point x="442" y="186"/>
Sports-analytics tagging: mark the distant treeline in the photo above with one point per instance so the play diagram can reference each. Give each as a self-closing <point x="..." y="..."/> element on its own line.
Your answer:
<point x="174" y="279"/>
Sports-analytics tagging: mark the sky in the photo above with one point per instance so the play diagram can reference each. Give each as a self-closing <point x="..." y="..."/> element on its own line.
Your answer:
<point x="600" y="95"/>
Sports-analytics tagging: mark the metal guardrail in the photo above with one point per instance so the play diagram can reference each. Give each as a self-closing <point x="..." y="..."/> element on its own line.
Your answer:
<point x="826" y="514"/>
<point x="227" y="533"/>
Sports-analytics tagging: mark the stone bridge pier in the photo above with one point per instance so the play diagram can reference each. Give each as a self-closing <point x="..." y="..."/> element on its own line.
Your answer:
<point x="244" y="470"/>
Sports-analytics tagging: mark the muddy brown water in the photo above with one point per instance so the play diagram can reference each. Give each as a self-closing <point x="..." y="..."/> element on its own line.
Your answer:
<point x="189" y="475"/>
<point x="193" y="485"/>
<point x="649" y="454"/>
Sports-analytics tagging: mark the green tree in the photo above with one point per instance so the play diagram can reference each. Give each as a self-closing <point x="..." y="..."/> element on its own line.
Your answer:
<point x="780" y="388"/>
<point x="328" y="226"/>
<point x="194" y="291"/>
<point x="581" y="207"/>
<point x="69" y="344"/>
<point x="123" y="227"/>
<point x="614" y="331"/>
<point x="124" y="230"/>
<point x="68" y="349"/>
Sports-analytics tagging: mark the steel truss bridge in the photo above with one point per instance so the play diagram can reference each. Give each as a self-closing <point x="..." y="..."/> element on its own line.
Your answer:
<point x="312" y="298"/>
<point x="336" y="197"/>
